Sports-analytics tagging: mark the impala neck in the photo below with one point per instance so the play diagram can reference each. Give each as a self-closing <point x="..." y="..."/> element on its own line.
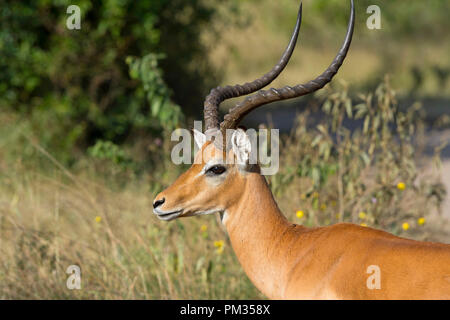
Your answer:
<point x="260" y="235"/>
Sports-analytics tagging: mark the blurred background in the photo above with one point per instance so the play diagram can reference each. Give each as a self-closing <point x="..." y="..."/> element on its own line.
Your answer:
<point x="86" y="117"/>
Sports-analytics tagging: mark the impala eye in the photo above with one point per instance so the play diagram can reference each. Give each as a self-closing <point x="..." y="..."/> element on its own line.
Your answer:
<point x="216" y="170"/>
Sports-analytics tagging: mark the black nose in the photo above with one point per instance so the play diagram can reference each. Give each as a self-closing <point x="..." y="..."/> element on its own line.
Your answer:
<point x="157" y="203"/>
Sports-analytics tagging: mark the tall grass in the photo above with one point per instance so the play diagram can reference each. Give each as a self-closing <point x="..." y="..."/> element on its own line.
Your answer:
<point x="99" y="218"/>
<point x="50" y="223"/>
<point x="373" y="175"/>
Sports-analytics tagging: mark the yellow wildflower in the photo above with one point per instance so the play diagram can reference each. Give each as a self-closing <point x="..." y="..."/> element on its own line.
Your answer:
<point x="362" y="215"/>
<point x="363" y="224"/>
<point x="421" y="221"/>
<point x="220" y="244"/>
<point x="300" y="214"/>
<point x="98" y="219"/>
<point x="405" y="226"/>
<point x="401" y="186"/>
<point x="203" y="228"/>
<point x="323" y="206"/>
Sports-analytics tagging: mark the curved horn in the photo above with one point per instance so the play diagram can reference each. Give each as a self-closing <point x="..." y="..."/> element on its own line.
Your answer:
<point x="219" y="94"/>
<point x="235" y="115"/>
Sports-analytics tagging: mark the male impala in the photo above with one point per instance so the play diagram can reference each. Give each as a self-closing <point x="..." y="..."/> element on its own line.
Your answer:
<point x="285" y="260"/>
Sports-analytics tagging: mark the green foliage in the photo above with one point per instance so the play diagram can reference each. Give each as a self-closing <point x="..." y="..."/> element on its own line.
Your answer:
<point x="157" y="93"/>
<point x="106" y="150"/>
<point x="75" y="85"/>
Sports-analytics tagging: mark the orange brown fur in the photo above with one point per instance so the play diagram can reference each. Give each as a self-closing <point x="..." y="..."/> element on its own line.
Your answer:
<point x="288" y="261"/>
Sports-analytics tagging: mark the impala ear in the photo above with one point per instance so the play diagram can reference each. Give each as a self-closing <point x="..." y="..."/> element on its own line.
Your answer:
<point x="199" y="138"/>
<point x="240" y="143"/>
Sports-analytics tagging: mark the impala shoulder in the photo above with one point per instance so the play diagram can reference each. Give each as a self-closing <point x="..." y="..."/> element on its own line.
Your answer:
<point x="354" y="228"/>
<point x="352" y="234"/>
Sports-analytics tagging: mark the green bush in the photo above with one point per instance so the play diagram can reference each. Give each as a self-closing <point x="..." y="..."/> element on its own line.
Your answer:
<point x="75" y="85"/>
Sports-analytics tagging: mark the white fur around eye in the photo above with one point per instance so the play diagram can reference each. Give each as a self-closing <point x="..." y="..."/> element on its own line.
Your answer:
<point x="199" y="138"/>
<point x="241" y="146"/>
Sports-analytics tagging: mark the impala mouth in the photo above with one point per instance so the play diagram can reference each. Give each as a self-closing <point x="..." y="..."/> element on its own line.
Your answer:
<point x="167" y="216"/>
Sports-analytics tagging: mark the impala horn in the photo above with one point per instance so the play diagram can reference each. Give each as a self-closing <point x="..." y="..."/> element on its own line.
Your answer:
<point x="262" y="97"/>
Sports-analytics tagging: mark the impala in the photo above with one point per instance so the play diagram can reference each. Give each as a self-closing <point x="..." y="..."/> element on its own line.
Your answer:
<point x="282" y="259"/>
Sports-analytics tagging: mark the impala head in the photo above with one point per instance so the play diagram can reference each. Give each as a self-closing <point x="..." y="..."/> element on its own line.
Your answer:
<point x="212" y="184"/>
<point x="221" y="168"/>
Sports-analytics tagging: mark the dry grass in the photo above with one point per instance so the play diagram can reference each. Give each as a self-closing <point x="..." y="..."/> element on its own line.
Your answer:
<point x="49" y="223"/>
<point x="101" y="220"/>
